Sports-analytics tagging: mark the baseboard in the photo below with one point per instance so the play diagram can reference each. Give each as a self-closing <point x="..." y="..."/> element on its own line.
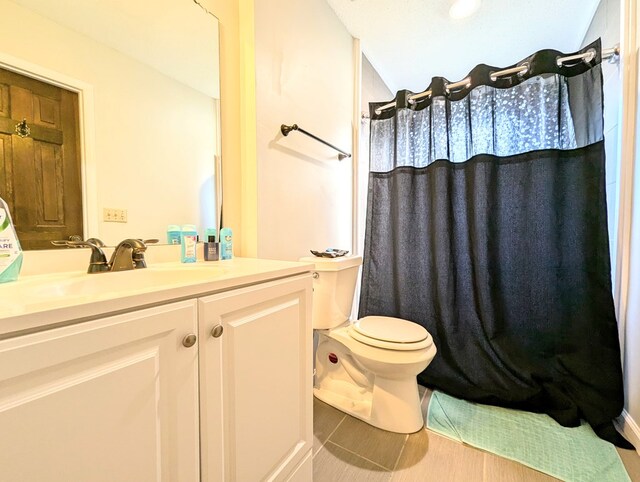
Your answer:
<point x="629" y="428"/>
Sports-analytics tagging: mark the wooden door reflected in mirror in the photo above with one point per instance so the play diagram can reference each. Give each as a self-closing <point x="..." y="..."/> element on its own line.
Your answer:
<point x="40" y="176"/>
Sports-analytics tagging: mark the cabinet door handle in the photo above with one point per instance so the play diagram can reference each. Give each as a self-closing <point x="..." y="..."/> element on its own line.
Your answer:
<point x="189" y="340"/>
<point x="217" y="331"/>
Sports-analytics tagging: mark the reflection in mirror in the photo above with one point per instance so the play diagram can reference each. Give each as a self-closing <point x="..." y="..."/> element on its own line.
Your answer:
<point x="122" y="103"/>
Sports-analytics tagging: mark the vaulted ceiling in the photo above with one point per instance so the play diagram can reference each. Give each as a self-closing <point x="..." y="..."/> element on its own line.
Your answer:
<point x="411" y="41"/>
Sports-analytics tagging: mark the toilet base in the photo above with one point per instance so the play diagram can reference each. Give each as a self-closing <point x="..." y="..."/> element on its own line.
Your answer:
<point x="394" y="405"/>
<point x="360" y="383"/>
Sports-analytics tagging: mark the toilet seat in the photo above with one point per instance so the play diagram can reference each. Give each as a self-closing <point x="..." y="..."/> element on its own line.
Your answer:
<point x="377" y="354"/>
<point x="390" y="333"/>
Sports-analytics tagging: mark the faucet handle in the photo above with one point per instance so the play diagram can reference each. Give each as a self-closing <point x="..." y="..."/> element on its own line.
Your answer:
<point x="98" y="261"/>
<point x="96" y="241"/>
<point x="73" y="242"/>
<point x="138" y="256"/>
<point x="138" y="260"/>
<point x="76" y="241"/>
<point x="82" y="244"/>
<point x="61" y="242"/>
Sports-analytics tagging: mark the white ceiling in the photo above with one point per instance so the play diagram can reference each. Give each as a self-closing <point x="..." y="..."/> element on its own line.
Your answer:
<point x="411" y="41"/>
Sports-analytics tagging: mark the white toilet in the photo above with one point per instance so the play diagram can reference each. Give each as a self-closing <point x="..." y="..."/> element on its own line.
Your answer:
<point x="365" y="368"/>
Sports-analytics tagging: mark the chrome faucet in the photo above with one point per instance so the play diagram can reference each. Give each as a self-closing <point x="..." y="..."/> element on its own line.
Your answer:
<point x="129" y="254"/>
<point x="98" y="262"/>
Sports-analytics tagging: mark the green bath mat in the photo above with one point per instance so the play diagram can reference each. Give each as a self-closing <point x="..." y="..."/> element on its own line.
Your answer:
<point x="535" y="440"/>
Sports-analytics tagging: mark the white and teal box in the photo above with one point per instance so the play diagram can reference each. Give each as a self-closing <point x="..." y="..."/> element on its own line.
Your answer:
<point x="226" y="243"/>
<point x="10" y="251"/>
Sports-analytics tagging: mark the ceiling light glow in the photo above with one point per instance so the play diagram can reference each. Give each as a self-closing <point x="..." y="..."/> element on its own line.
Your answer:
<point x="463" y="8"/>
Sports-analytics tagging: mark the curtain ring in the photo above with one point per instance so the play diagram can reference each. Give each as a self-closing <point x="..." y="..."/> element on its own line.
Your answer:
<point x="526" y="66"/>
<point x="586" y="57"/>
<point x="463" y="84"/>
<point x="591" y="54"/>
<point x="518" y="69"/>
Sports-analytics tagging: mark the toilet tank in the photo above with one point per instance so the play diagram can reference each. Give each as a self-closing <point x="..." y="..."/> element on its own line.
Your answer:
<point x="333" y="289"/>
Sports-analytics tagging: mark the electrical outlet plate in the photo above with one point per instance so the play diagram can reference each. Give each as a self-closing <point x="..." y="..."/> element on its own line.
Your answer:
<point x="112" y="215"/>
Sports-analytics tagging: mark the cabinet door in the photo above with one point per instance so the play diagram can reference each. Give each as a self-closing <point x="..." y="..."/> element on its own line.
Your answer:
<point x="256" y="381"/>
<point x="114" y="399"/>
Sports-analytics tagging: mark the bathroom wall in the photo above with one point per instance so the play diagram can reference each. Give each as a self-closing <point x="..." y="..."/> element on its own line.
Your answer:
<point x="632" y="328"/>
<point x="227" y="12"/>
<point x="304" y="75"/>
<point x="128" y="161"/>
<point x="237" y="119"/>
<point x="606" y="25"/>
<point x="632" y="335"/>
<point x="373" y="89"/>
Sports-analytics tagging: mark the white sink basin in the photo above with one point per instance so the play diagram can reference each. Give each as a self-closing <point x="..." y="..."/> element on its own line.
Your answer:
<point x="125" y="282"/>
<point x="60" y="298"/>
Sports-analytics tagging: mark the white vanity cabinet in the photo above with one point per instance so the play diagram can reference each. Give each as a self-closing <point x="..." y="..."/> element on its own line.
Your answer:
<point x="113" y="399"/>
<point x="170" y="374"/>
<point x="255" y="382"/>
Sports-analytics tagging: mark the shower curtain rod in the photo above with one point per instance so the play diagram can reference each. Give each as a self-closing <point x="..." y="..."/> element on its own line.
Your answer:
<point x="285" y="129"/>
<point x="520" y="70"/>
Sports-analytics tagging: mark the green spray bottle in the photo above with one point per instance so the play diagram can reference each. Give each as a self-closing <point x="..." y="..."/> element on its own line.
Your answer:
<point x="10" y="251"/>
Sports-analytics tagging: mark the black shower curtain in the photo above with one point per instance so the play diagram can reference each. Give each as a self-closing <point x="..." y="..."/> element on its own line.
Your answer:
<point x="487" y="225"/>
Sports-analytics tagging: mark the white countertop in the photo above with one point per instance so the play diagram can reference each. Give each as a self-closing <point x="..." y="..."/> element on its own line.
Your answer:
<point x="36" y="302"/>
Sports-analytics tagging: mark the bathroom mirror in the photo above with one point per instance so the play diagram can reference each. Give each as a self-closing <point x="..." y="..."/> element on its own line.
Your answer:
<point x="146" y="76"/>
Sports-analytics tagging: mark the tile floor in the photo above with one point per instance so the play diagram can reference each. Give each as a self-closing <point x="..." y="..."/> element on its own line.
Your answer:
<point x="347" y="449"/>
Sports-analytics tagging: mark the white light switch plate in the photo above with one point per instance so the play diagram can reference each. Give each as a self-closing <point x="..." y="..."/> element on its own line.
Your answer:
<point x="111" y="215"/>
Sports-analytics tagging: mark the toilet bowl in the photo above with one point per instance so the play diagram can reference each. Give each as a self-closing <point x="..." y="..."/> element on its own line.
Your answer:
<point x="368" y="367"/>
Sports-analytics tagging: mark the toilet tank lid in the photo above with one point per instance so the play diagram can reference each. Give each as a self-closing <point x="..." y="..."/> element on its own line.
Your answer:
<point x="333" y="264"/>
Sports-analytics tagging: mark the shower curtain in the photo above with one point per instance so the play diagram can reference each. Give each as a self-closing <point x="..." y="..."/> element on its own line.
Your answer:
<point x="487" y="225"/>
